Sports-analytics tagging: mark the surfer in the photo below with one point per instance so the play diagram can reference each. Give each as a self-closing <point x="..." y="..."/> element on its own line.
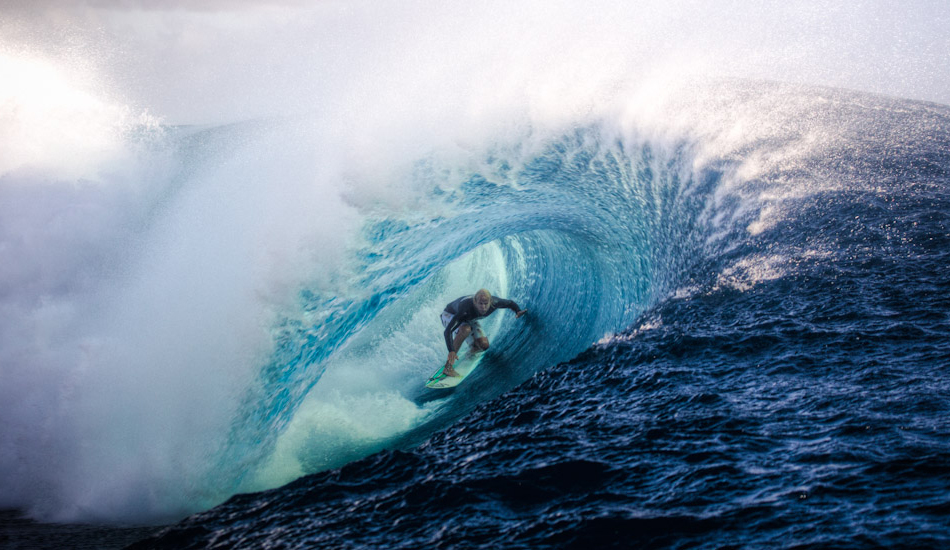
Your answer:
<point x="460" y="320"/>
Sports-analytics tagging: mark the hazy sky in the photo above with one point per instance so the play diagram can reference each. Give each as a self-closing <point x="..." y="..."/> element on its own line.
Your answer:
<point x="217" y="59"/>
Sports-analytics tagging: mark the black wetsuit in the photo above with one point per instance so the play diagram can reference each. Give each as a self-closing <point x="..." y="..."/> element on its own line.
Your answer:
<point x="463" y="311"/>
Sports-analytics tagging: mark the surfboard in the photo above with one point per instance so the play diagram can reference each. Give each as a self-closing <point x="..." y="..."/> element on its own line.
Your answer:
<point x="464" y="366"/>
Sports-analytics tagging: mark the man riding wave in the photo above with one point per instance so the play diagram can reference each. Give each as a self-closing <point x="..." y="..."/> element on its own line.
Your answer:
<point x="460" y="320"/>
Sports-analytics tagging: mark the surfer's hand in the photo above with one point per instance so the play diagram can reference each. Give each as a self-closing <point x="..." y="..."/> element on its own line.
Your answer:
<point x="520" y="313"/>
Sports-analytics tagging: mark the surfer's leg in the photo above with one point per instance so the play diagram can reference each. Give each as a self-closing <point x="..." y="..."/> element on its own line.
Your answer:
<point x="479" y="341"/>
<point x="461" y="334"/>
<point x="481" y="344"/>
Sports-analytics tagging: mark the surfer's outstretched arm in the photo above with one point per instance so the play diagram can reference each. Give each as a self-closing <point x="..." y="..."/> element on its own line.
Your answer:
<point x="454" y="345"/>
<point x="501" y="303"/>
<point x="449" y="329"/>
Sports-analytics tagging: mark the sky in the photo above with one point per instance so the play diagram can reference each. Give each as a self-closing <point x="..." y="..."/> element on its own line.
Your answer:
<point x="213" y="60"/>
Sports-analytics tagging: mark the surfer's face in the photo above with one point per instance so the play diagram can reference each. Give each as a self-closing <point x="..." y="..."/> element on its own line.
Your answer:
<point x="482" y="304"/>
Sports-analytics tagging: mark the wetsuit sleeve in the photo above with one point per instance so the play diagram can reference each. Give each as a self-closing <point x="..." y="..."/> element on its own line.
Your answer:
<point x="453" y="324"/>
<point x="502" y="303"/>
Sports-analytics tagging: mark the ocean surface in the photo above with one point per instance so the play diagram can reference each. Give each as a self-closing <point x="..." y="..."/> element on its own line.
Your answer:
<point x="738" y="337"/>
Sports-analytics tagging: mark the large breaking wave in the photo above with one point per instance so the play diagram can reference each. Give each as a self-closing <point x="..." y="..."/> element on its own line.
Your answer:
<point x="191" y="312"/>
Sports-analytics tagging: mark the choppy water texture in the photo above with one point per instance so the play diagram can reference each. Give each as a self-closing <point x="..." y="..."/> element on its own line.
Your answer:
<point x="782" y="380"/>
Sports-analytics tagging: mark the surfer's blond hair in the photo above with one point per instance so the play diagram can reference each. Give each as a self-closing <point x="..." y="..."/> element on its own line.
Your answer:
<point x="482" y="293"/>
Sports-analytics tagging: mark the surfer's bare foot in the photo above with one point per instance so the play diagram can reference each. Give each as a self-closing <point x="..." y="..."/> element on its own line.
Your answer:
<point x="449" y="371"/>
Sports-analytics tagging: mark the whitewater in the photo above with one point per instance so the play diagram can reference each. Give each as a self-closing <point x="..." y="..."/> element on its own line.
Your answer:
<point x="220" y="293"/>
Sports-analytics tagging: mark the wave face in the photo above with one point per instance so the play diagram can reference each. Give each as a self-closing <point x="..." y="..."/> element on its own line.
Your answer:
<point x="586" y="232"/>
<point x="730" y="343"/>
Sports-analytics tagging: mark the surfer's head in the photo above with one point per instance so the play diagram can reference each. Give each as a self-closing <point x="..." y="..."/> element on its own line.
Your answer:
<point x="482" y="301"/>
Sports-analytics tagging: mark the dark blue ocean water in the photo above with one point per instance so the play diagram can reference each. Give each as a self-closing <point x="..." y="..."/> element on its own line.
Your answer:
<point x="771" y="366"/>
